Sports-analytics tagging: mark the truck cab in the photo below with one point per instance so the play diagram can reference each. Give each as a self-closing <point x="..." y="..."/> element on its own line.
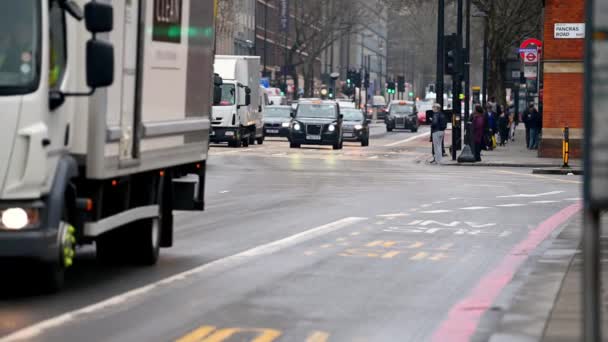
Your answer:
<point x="104" y="132"/>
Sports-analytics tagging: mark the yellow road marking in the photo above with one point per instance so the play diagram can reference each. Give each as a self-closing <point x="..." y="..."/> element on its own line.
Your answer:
<point x="540" y="176"/>
<point x="198" y="334"/>
<point x="318" y="336"/>
<point x="326" y="245"/>
<point x="416" y="245"/>
<point x="385" y="244"/>
<point x="438" y="257"/>
<point x="355" y="233"/>
<point x="390" y="255"/>
<point x="420" y="256"/>
<point x="263" y="335"/>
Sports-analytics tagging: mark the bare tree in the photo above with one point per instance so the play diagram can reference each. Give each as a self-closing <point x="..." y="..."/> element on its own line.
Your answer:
<point x="414" y="38"/>
<point x="509" y="22"/>
<point x="317" y="25"/>
<point x="225" y="23"/>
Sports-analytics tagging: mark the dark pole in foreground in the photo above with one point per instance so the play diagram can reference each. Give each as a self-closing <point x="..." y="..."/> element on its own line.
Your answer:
<point x="457" y="87"/>
<point x="467" y="153"/>
<point x="265" y="37"/>
<point x="440" y="57"/>
<point x="467" y="73"/>
<point x="592" y="224"/>
<point x="484" y="86"/>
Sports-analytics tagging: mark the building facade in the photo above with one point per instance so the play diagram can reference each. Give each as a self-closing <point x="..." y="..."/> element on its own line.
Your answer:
<point x="236" y="27"/>
<point x="562" y="77"/>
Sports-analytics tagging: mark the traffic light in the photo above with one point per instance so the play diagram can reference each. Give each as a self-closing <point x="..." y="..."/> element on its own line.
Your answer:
<point x="283" y="88"/>
<point x="331" y="93"/>
<point x="366" y="82"/>
<point x="411" y="94"/>
<point x="452" y="55"/>
<point x="391" y="87"/>
<point x="349" y="77"/>
<point x="401" y="84"/>
<point x="358" y="80"/>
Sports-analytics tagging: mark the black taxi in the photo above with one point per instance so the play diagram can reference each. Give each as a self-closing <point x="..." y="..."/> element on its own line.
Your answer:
<point x="316" y="122"/>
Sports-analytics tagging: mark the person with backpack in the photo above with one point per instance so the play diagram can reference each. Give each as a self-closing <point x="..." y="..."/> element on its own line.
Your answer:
<point x="438" y="127"/>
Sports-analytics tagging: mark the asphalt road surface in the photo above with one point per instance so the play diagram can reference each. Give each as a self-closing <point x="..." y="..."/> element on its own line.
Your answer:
<point x="363" y="244"/>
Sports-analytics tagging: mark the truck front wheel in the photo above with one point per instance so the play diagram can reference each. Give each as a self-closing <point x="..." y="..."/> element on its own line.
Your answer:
<point x="53" y="273"/>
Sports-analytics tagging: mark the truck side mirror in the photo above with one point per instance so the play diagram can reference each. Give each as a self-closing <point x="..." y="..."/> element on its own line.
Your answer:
<point x="217" y="95"/>
<point x="100" y="64"/>
<point x="217" y="89"/>
<point x="247" y="99"/>
<point x="292" y="114"/>
<point x="99" y="17"/>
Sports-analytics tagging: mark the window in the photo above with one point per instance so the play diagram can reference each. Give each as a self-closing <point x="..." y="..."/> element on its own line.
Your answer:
<point x="58" y="48"/>
<point x="19" y="46"/>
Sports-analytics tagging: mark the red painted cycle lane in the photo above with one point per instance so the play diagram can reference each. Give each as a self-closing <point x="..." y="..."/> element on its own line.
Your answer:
<point x="463" y="318"/>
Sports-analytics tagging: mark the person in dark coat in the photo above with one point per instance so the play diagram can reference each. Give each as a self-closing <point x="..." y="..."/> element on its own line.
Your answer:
<point x="479" y="123"/>
<point x="535" y="125"/>
<point x="490" y="126"/>
<point x="527" y="119"/>
<point x="503" y="128"/>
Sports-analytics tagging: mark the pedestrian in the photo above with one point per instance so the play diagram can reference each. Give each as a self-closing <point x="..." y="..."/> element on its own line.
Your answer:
<point x="438" y="126"/>
<point x="503" y="128"/>
<point x="512" y="125"/>
<point x="479" y="123"/>
<point x="535" y="125"/>
<point x="490" y="127"/>
<point x="527" y="119"/>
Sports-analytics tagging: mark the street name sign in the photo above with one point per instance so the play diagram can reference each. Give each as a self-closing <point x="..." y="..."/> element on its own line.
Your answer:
<point x="569" y="31"/>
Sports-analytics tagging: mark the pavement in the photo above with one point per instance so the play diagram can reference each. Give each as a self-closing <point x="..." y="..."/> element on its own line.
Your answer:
<point x="516" y="154"/>
<point x="547" y="305"/>
<point x="317" y="245"/>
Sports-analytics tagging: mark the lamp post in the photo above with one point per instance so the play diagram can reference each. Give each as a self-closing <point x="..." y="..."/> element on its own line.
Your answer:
<point x="440" y="57"/>
<point x="467" y="153"/>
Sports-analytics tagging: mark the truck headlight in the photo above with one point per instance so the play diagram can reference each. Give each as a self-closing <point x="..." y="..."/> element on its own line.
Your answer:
<point x="285" y="124"/>
<point x="19" y="218"/>
<point x="331" y="128"/>
<point x="358" y="127"/>
<point x="297" y="126"/>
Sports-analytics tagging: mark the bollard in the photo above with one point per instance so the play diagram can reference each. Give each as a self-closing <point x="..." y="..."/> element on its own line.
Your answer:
<point x="566" y="147"/>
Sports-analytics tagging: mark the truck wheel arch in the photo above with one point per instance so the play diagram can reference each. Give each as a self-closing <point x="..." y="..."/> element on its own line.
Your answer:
<point x="61" y="190"/>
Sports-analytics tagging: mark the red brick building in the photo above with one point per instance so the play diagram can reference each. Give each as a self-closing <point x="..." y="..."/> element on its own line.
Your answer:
<point x="563" y="76"/>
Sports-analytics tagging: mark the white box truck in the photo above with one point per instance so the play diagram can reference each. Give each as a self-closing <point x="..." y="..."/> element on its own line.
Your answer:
<point x="238" y="118"/>
<point x="105" y="126"/>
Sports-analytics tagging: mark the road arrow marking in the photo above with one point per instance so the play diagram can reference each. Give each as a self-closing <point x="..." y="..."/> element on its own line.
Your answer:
<point x="532" y="195"/>
<point x="436" y="211"/>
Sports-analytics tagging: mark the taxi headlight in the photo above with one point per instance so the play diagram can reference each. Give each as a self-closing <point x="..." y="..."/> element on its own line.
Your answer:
<point x="285" y="124"/>
<point x="358" y="127"/>
<point x="331" y="128"/>
<point x="19" y="218"/>
<point x="297" y="126"/>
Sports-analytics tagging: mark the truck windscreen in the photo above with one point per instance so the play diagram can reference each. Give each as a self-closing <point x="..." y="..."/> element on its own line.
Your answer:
<point x="19" y="46"/>
<point x="228" y="95"/>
